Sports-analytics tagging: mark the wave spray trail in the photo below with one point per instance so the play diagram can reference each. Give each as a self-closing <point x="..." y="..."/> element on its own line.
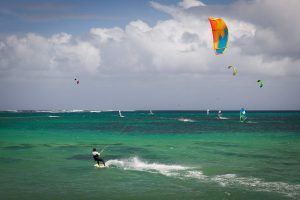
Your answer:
<point x="136" y="164"/>
<point x="225" y="180"/>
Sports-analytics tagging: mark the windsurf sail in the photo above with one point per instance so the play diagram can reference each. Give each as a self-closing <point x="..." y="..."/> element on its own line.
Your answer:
<point x="120" y="114"/>
<point x="219" y="114"/>
<point x="243" y="115"/>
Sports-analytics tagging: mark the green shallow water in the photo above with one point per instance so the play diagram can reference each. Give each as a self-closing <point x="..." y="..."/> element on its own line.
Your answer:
<point x="150" y="156"/>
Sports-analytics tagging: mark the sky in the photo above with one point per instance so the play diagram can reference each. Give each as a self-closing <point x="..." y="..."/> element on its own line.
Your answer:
<point x="140" y="54"/>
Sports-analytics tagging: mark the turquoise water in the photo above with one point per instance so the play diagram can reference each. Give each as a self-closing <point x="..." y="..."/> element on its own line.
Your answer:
<point x="168" y="155"/>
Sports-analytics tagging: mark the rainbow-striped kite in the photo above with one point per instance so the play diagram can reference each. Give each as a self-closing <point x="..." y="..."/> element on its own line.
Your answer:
<point x="220" y="34"/>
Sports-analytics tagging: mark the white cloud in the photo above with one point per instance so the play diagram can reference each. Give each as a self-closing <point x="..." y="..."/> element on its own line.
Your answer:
<point x="61" y="38"/>
<point x="186" y="4"/>
<point x="58" y="54"/>
<point x="180" y="45"/>
<point x="275" y="21"/>
<point x="170" y="63"/>
<point x="108" y="35"/>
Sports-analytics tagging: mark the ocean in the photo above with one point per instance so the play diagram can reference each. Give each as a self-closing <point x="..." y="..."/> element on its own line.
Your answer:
<point x="168" y="155"/>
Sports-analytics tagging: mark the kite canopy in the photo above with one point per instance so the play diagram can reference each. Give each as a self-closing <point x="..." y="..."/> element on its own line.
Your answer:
<point x="234" y="70"/>
<point x="76" y="81"/>
<point x="261" y="83"/>
<point x="220" y="34"/>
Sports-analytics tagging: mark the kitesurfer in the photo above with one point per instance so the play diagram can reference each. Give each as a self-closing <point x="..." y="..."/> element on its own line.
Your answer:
<point x="96" y="156"/>
<point x="219" y="114"/>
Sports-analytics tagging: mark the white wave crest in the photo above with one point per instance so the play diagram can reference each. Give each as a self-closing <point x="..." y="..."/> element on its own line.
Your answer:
<point x="251" y="122"/>
<point x="53" y="116"/>
<point x="222" y="118"/>
<point x="225" y="180"/>
<point x="257" y="184"/>
<point x="76" y="110"/>
<point x="197" y="174"/>
<point x="185" y="120"/>
<point x="42" y="111"/>
<point x="136" y="164"/>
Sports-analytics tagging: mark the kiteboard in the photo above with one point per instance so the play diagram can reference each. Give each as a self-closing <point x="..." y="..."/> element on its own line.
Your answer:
<point x="222" y="117"/>
<point x="100" y="166"/>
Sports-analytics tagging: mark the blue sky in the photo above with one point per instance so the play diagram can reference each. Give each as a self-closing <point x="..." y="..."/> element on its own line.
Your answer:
<point x="76" y="17"/>
<point x="142" y="54"/>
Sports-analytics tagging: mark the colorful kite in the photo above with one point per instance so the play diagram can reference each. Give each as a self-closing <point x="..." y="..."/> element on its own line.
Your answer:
<point x="220" y="34"/>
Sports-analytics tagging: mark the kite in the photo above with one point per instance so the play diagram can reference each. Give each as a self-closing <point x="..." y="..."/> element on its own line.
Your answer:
<point x="234" y="70"/>
<point x="261" y="83"/>
<point x="76" y="81"/>
<point x="220" y="34"/>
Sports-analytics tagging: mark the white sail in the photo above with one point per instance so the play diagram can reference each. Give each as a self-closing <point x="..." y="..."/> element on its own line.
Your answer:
<point x="219" y="114"/>
<point x="151" y="113"/>
<point x="120" y="114"/>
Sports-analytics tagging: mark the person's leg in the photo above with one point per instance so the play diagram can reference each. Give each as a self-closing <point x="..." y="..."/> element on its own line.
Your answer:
<point x="100" y="159"/>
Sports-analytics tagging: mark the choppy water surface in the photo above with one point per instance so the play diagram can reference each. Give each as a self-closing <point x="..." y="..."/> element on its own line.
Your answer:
<point x="168" y="155"/>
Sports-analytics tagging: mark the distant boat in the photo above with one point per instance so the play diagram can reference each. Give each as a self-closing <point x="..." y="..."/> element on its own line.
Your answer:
<point x="151" y="113"/>
<point x="120" y="114"/>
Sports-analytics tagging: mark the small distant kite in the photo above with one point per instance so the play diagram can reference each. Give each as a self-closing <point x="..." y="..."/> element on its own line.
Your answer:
<point x="76" y="81"/>
<point x="261" y="83"/>
<point x="220" y="34"/>
<point x="234" y="70"/>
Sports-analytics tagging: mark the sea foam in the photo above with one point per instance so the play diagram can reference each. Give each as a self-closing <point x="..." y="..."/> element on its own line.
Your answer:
<point x="225" y="180"/>
<point x="53" y="116"/>
<point x="136" y="164"/>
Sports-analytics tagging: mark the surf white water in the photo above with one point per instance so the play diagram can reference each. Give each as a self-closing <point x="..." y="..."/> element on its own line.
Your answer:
<point x="249" y="183"/>
<point x="222" y="118"/>
<point x="136" y="164"/>
<point x="53" y="116"/>
<point x="251" y="122"/>
<point x="76" y="110"/>
<point x="11" y="111"/>
<point x="225" y="180"/>
<point x="257" y="184"/>
<point x="43" y="111"/>
<point x="186" y="120"/>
